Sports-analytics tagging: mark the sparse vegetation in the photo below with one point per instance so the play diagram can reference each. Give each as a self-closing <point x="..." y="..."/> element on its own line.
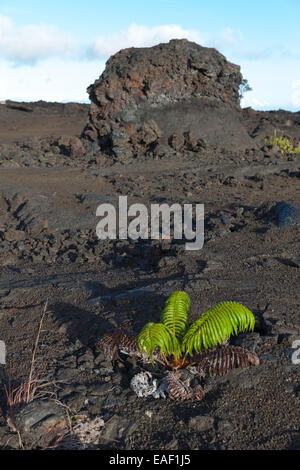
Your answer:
<point x="283" y="143"/>
<point x="244" y="87"/>
<point x="177" y="340"/>
<point x="184" y="352"/>
<point x="18" y="396"/>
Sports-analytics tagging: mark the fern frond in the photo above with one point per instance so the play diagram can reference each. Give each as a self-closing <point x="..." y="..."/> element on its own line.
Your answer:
<point x="180" y="388"/>
<point x="218" y="324"/>
<point x="219" y="361"/>
<point x="118" y="340"/>
<point x="176" y="314"/>
<point x="157" y="334"/>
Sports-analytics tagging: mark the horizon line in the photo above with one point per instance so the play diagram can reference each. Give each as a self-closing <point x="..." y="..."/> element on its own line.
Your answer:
<point x="266" y="109"/>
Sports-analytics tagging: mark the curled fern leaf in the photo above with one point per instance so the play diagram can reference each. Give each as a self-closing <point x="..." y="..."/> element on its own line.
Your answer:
<point x="218" y="324"/>
<point x="176" y="314"/>
<point x="157" y="335"/>
<point x="180" y="389"/>
<point x="219" y="361"/>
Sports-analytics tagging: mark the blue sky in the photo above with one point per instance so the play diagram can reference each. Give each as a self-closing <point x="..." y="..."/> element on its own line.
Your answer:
<point x="52" y="50"/>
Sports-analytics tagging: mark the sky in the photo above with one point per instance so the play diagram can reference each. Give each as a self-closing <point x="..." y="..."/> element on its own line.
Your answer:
<point x="53" y="50"/>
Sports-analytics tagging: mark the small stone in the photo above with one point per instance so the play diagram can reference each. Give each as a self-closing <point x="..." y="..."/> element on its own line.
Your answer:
<point x="176" y="141"/>
<point x="40" y="422"/>
<point x="166" y="261"/>
<point x="76" y="148"/>
<point x="291" y="388"/>
<point x="287" y="215"/>
<point x="163" y="151"/>
<point x="247" y="340"/>
<point x="172" y="445"/>
<point x="4" y="292"/>
<point x="66" y="374"/>
<point x="64" y="142"/>
<point x="201" y="423"/>
<point x="117" y="428"/>
<point x="100" y="389"/>
<point x="225" y="427"/>
<point x="86" y="360"/>
<point x="15" y="235"/>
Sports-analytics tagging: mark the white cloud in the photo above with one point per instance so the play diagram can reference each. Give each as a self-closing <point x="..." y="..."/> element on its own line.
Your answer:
<point x="259" y="103"/>
<point x="50" y="80"/>
<point x="5" y="26"/>
<point x="254" y="102"/>
<point x="142" y="36"/>
<point x="56" y="66"/>
<point x="29" y="43"/>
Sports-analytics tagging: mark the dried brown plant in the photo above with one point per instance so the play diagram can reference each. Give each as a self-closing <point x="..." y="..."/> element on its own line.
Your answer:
<point x="215" y="361"/>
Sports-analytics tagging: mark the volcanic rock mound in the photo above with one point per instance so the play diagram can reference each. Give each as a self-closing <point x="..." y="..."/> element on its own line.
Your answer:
<point x="175" y="93"/>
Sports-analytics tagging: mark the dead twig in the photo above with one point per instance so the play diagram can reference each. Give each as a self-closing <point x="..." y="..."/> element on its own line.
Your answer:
<point x="28" y="390"/>
<point x="35" y="349"/>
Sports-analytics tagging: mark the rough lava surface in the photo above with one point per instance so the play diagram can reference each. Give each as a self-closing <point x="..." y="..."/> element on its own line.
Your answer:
<point x="164" y="94"/>
<point x="164" y="126"/>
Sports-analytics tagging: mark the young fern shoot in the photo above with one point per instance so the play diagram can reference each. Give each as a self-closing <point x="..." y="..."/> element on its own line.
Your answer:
<point x="176" y="340"/>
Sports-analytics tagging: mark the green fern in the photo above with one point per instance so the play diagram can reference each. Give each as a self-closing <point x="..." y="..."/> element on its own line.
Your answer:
<point x="157" y="335"/>
<point x="174" y="338"/>
<point x="218" y="324"/>
<point x="176" y="314"/>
